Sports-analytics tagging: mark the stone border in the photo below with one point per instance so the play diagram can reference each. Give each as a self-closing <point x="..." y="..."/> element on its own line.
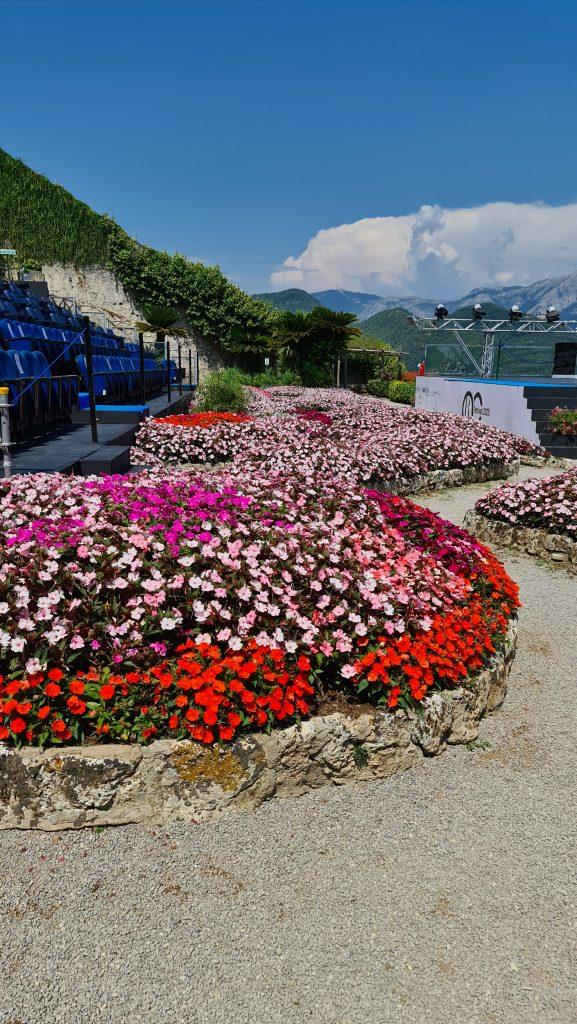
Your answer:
<point x="434" y="480"/>
<point x="555" y="548"/>
<point x="170" y="780"/>
<point x="437" y="479"/>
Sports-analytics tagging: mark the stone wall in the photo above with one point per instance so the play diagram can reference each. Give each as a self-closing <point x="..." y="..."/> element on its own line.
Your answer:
<point x="170" y="780"/>
<point x="99" y="293"/>
<point x="437" y="479"/>
<point x="556" y="548"/>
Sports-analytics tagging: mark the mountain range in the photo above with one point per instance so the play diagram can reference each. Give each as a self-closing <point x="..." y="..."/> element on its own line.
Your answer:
<point x="531" y="298"/>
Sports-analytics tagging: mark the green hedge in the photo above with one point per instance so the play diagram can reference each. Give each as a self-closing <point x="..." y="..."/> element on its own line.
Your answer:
<point x="402" y="391"/>
<point x="378" y="387"/>
<point x="223" y="391"/>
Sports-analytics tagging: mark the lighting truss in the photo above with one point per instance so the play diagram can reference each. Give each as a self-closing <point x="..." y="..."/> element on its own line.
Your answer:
<point x="489" y="328"/>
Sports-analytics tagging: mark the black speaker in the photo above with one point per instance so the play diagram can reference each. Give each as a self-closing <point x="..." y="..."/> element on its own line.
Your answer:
<point x="565" y="359"/>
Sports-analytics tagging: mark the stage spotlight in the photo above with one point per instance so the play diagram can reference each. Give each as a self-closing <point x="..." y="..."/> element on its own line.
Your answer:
<point x="478" y="311"/>
<point x="441" y="312"/>
<point x="515" y="314"/>
<point x="551" y="315"/>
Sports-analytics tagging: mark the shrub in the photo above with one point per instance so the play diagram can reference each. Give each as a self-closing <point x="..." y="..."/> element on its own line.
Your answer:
<point x="223" y="391"/>
<point x="378" y="387"/>
<point x="402" y="391"/>
<point x="563" y="421"/>
<point x="275" y="379"/>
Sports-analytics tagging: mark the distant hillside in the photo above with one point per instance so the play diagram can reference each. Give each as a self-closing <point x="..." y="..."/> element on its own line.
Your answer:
<point x="294" y="299"/>
<point x="527" y="355"/>
<point x="393" y="327"/>
<point x="366" y="305"/>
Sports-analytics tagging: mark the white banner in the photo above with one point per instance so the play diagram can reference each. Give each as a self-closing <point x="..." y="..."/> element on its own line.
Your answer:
<point x="499" y="405"/>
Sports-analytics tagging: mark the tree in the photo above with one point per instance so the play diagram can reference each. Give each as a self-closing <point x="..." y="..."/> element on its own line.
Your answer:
<point x="334" y="328"/>
<point x="290" y="336"/>
<point x="309" y="342"/>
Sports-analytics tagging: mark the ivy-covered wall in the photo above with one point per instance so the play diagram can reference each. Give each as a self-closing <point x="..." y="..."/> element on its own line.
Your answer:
<point x="46" y="224"/>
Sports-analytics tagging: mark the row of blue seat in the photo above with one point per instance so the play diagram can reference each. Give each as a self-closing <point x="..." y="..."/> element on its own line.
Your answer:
<point x="53" y="341"/>
<point x="118" y="377"/>
<point x="37" y="397"/>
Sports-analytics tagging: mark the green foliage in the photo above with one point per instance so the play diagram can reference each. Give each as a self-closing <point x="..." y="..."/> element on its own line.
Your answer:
<point x="402" y="391"/>
<point x="46" y="224"/>
<point x="360" y="755"/>
<point x="223" y="391"/>
<point x="308" y="343"/>
<point x="212" y="305"/>
<point x="378" y="387"/>
<point x="563" y="421"/>
<point x="294" y="299"/>
<point x="275" y="379"/>
<point x="162" y="320"/>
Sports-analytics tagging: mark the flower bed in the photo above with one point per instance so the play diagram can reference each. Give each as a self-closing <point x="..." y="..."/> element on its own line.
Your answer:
<point x="536" y="516"/>
<point x="320" y="433"/>
<point x="563" y="422"/>
<point x="549" y="504"/>
<point x="165" y="604"/>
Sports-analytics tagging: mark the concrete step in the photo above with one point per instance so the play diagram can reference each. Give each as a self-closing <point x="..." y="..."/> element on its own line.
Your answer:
<point x="108" y="459"/>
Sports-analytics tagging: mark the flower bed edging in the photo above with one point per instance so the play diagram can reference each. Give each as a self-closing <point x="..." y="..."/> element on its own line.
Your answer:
<point x="83" y="787"/>
<point x="440" y="478"/>
<point x="555" y="548"/>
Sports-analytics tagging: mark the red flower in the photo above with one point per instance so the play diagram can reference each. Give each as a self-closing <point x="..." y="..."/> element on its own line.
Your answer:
<point x="76" y="686"/>
<point x="55" y="674"/>
<point x="17" y="725"/>
<point x="52" y="689"/>
<point x="106" y="691"/>
<point x="77" y="707"/>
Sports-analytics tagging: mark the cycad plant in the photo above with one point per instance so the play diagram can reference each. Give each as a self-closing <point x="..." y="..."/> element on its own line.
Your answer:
<point x="161" y="320"/>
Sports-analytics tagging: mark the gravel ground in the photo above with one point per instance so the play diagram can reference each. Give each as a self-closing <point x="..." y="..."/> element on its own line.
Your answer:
<point x="447" y="893"/>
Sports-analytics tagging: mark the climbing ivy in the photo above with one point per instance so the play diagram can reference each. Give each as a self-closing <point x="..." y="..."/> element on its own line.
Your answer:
<point x="211" y="304"/>
<point x="46" y="224"/>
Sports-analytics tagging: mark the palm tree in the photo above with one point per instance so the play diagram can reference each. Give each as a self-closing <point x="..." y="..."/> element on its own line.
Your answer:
<point x="247" y="340"/>
<point x="161" y="320"/>
<point x="334" y="328"/>
<point x="291" y="334"/>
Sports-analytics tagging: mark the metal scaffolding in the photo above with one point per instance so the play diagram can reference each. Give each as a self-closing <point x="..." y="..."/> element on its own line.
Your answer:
<point x="489" y="328"/>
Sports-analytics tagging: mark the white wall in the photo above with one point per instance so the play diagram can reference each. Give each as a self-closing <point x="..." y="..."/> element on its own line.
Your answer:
<point x="499" y="405"/>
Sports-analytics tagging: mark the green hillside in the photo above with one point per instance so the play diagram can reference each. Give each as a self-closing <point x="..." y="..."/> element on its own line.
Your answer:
<point x="527" y="355"/>
<point x="46" y="224"/>
<point x="293" y="299"/>
<point x="393" y="327"/>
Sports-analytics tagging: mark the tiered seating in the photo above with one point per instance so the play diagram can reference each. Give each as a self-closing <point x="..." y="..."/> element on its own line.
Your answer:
<point x="43" y="362"/>
<point x="117" y="378"/>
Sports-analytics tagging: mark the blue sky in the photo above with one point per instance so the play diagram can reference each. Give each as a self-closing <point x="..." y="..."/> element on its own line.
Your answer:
<point x="234" y="131"/>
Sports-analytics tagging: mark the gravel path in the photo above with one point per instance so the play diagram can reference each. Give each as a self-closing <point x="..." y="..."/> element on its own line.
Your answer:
<point x="447" y="893"/>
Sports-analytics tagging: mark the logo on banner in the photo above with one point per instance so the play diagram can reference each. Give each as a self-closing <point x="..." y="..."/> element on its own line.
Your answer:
<point x="473" y="406"/>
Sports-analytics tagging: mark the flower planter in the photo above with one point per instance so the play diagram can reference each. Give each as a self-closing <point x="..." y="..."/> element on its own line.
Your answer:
<point x="555" y="548"/>
<point x="83" y="787"/>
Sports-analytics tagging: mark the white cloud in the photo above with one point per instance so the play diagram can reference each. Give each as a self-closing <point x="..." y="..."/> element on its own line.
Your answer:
<point x="439" y="253"/>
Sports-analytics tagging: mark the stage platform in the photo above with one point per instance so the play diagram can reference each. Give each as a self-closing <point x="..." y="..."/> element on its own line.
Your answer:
<point x="521" y="404"/>
<point x="70" y="448"/>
